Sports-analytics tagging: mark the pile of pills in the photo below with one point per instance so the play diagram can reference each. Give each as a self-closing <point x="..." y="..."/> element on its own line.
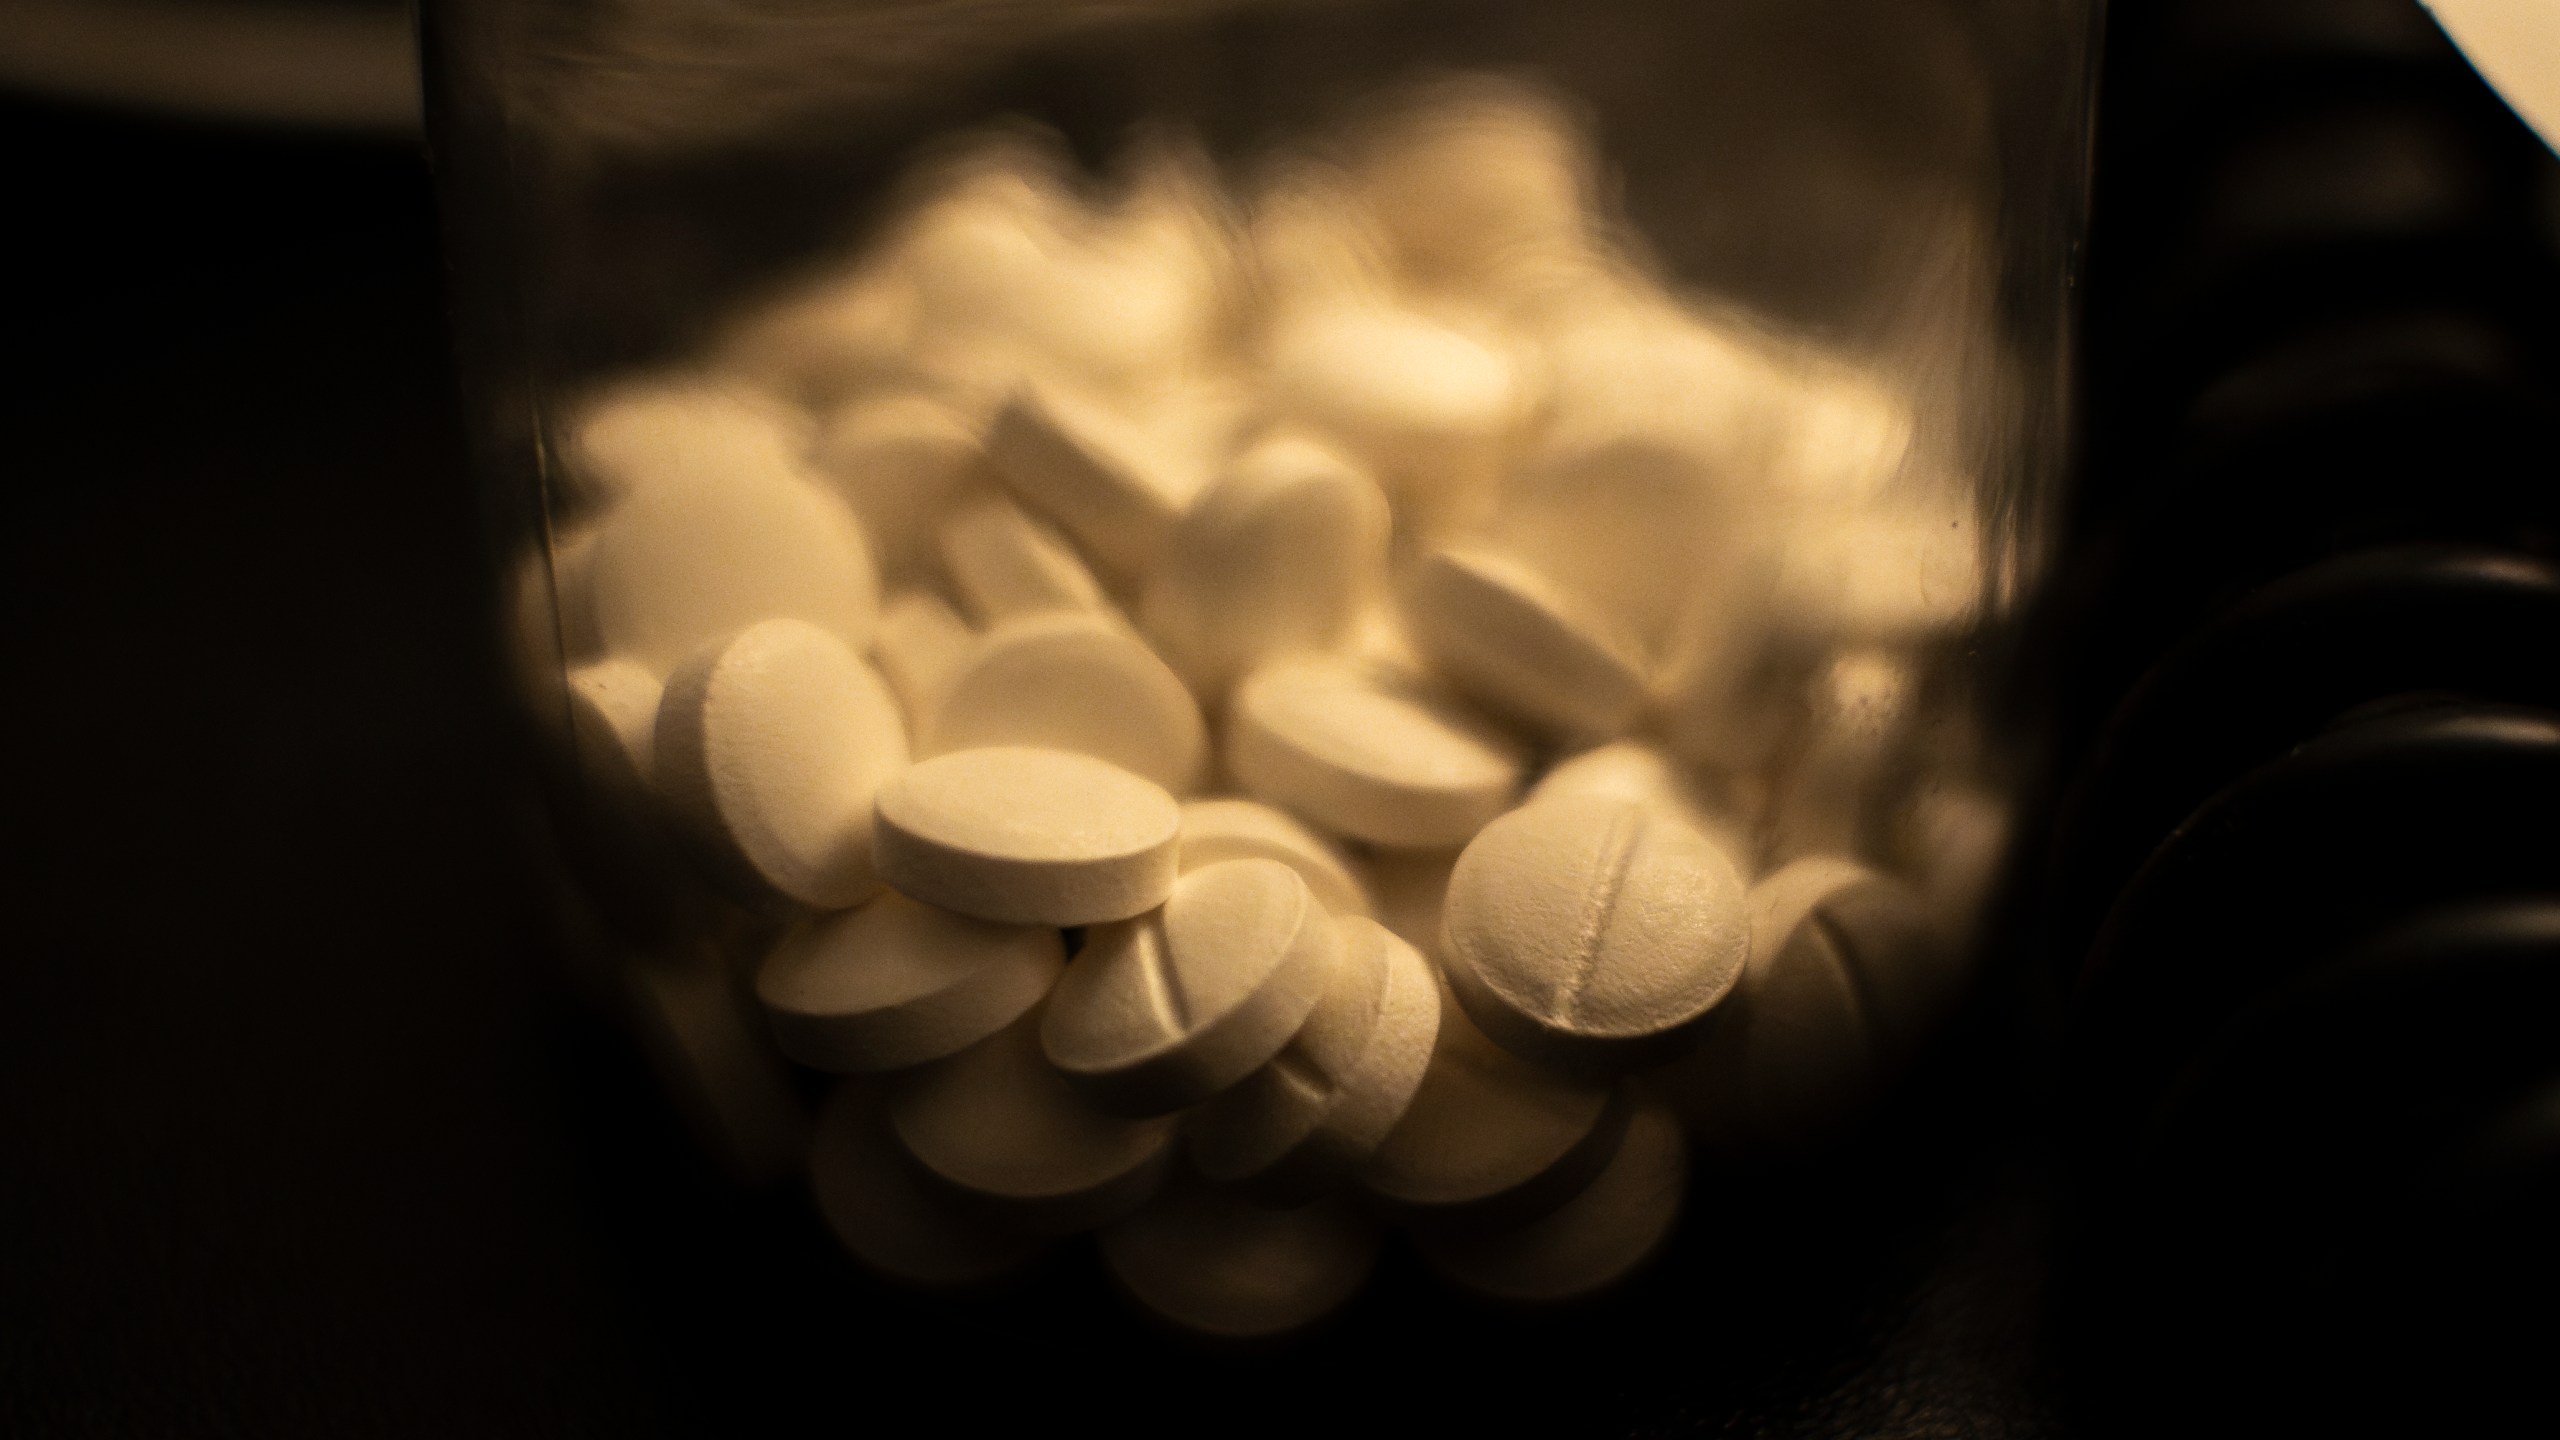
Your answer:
<point x="1281" y="711"/>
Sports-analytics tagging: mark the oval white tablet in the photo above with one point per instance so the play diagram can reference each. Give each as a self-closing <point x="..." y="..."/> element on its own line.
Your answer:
<point x="888" y="1217"/>
<point x="1215" y="830"/>
<point x="676" y="568"/>
<point x="1282" y="552"/>
<point x="1320" y="1110"/>
<point x="1593" y="1240"/>
<point x="771" y="746"/>
<point x="999" y="1125"/>
<point x="1031" y="836"/>
<point x="1167" y="1009"/>
<point x="1213" y="1262"/>
<point x="1072" y="681"/>
<point x="1503" y="633"/>
<point x="1369" y="755"/>
<point x="1003" y="563"/>
<point x="1588" y="932"/>
<point x="896" y="983"/>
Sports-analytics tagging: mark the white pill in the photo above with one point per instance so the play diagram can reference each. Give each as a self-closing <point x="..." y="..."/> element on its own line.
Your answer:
<point x="897" y="983"/>
<point x="1025" y="287"/>
<point x="1593" y="1240"/>
<point x="613" y="717"/>
<point x="1298" y="1081"/>
<point x="1390" y="381"/>
<point x="1072" y="680"/>
<point x="920" y="643"/>
<point x="847" y="329"/>
<point x="1215" y="830"/>
<point x="1634" y="770"/>
<point x="892" y="1219"/>
<point x="1166" y="1009"/>
<point x="1213" y="1262"/>
<point x="1314" y="243"/>
<point x="999" y="1125"/>
<point x="1094" y="474"/>
<point x="771" y="745"/>
<point x="1509" y="637"/>
<point x="1282" y="552"/>
<point x="1045" y="837"/>
<point x="684" y="434"/>
<point x="1628" y="519"/>
<point x="1491" y="1137"/>
<point x="1845" y="438"/>
<point x="676" y="568"/>
<point x="1317" y="1113"/>
<point x="1801" y="1052"/>
<point x="1587" y="932"/>
<point x="900" y="460"/>
<point x="1882" y="930"/>
<point x="1003" y="563"/>
<point x="1409" y="889"/>
<point x="1476" y="173"/>
<point x="1368" y="754"/>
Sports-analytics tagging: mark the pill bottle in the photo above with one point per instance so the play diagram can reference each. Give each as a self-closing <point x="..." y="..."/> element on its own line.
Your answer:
<point x="1669" y="401"/>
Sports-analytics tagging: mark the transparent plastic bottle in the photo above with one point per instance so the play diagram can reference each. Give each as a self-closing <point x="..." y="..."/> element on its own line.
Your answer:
<point x="1727" y="343"/>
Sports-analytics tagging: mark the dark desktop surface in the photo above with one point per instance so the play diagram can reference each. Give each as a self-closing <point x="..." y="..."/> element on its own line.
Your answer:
<point x="306" y="1130"/>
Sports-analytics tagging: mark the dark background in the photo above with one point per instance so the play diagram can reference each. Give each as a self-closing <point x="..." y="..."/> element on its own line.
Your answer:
<point x="302" y="1129"/>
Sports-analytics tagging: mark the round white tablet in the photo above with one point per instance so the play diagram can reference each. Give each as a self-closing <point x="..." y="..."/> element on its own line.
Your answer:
<point x="1215" y="830"/>
<point x="890" y="1218"/>
<point x="1313" y="1116"/>
<point x="1635" y="770"/>
<point x="771" y="745"/>
<point x="1072" y="681"/>
<point x="1214" y="1262"/>
<point x="921" y="642"/>
<point x="1505" y="634"/>
<point x="682" y="434"/>
<point x="1031" y="836"/>
<point x="1593" y="1240"/>
<point x="1367" y="754"/>
<point x="1593" y="933"/>
<point x="896" y="983"/>
<point x="678" y="567"/>
<point x="1167" y="1009"/>
<point x="1490" y="1136"/>
<point x="1281" y="553"/>
<point x="1410" y="889"/>
<point x="900" y="460"/>
<point x="1808" y="1038"/>
<point x="998" y="1124"/>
